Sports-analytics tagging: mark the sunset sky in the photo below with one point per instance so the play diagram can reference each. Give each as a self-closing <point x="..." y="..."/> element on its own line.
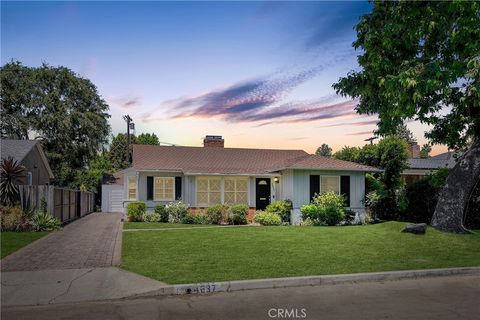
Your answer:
<point x="258" y="73"/>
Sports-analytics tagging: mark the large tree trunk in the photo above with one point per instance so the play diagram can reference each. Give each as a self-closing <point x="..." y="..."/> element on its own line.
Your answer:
<point x="453" y="200"/>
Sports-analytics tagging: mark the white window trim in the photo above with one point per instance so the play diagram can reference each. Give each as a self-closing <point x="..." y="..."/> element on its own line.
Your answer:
<point x="332" y="175"/>
<point x="155" y="193"/>
<point x="128" y="188"/>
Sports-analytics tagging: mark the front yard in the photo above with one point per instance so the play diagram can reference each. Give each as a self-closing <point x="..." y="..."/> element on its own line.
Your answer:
<point x="222" y="254"/>
<point x="12" y="241"/>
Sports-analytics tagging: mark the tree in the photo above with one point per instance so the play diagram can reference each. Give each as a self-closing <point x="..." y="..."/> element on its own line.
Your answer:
<point x="147" y="138"/>
<point x="404" y="133"/>
<point x="368" y="155"/>
<point x="324" y="150"/>
<point x="425" y="151"/>
<point x="58" y="107"/>
<point x="347" y="153"/>
<point x="421" y="61"/>
<point x="118" y="152"/>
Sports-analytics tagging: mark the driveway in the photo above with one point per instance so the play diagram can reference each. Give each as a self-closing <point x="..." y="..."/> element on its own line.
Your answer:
<point x="77" y="263"/>
<point x="91" y="242"/>
<point x="428" y="298"/>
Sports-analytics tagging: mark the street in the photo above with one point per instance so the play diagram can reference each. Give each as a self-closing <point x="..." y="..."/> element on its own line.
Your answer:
<point x="455" y="297"/>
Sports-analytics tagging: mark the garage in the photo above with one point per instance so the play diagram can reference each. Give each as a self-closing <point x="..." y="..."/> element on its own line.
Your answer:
<point x="112" y="193"/>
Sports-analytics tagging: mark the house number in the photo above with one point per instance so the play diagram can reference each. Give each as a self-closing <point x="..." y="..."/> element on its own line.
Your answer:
<point x="203" y="288"/>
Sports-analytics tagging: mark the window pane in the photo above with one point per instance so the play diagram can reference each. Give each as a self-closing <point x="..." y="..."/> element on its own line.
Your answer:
<point x="202" y="185"/>
<point x="132" y="188"/>
<point x="229" y="197"/>
<point x="214" y="198"/>
<point x="330" y="183"/>
<point x="214" y="185"/>
<point x="242" y="185"/>
<point x="229" y="185"/>
<point x="242" y="198"/>
<point x="202" y="198"/>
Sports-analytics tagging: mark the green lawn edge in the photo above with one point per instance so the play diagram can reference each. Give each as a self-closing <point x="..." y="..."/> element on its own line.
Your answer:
<point x="225" y="254"/>
<point x="13" y="241"/>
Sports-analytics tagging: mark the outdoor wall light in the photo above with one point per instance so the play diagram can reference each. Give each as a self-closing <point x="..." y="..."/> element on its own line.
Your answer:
<point x="276" y="179"/>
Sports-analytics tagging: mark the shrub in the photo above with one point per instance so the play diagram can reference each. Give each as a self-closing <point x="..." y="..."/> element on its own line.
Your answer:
<point x="135" y="211"/>
<point x="267" y="218"/>
<point x="176" y="211"/>
<point x="349" y="217"/>
<point x="239" y="214"/>
<point x="200" y="219"/>
<point x="189" y="219"/>
<point x="11" y="218"/>
<point x="306" y="223"/>
<point x="151" y="217"/>
<point x="422" y="197"/>
<point x="331" y="208"/>
<point x="282" y="208"/>
<point x="219" y="213"/>
<point x="310" y="212"/>
<point x="161" y="210"/>
<point x="42" y="221"/>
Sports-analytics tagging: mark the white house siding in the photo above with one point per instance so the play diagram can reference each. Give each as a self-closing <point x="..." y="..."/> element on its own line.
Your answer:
<point x="296" y="186"/>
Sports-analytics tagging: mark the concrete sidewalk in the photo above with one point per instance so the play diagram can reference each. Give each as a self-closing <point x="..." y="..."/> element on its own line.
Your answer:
<point x="72" y="285"/>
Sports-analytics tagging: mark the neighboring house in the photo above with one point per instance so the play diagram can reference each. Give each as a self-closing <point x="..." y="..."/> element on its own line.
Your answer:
<point x="28" y="153"/>
<point x="419" y="168"/>
<point x="205" y="176"/>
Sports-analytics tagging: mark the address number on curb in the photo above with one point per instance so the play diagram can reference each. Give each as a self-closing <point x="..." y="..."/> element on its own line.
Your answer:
<point x="201" y="288"/>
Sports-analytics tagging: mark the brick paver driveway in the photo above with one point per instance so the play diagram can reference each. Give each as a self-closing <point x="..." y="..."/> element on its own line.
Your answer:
<point x="93" y="241"/>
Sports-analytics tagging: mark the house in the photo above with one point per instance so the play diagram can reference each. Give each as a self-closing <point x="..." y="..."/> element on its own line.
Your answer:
<point x="28" y="153"/>
<point x="421" y="167"/>
<point x="212" y="174"/>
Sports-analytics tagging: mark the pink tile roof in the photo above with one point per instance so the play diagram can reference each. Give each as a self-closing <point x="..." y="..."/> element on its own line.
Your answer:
<point x="209" y="160"/>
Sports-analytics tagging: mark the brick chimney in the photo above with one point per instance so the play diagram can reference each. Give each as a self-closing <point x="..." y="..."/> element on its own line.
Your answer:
<point x="213" y="142"/>
<point x="414" y="150"/>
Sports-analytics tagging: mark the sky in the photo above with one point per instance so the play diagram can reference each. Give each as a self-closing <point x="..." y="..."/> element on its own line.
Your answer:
<point x="259" y="74"/>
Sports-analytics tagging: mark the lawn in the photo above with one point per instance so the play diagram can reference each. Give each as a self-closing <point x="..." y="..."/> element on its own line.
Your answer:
<point x="12" y="241"/>
<point x="221" y="254"/>
<point x="160" y="225"/>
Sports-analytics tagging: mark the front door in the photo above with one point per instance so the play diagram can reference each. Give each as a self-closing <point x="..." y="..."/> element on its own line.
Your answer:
<point x="262" y="193"/>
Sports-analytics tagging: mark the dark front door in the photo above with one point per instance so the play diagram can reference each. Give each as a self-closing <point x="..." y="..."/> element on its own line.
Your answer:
<point x="262" y="193"/>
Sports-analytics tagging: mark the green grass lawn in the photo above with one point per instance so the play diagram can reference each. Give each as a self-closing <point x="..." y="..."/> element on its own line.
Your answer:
<point x="221" y="254"/>
<point x="12" y="241"/>
<point x="161" y="225"/>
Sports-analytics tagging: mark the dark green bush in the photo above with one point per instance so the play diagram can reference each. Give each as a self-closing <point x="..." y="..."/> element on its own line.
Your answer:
<point x="310" y="212"/>
<point x="267" y="218"/>
<point x="162" y="211"/>
<point x="43" y="221"/>
<point x="135" y="211"/>
<point x="239" y="214"/>
<point x="349" y="217"/>
<point x="218" y="214"/>
<point x="422" y="197"/>
<point x="189" y="219"/>
<point x="282" y="208"/>
<point x="176" y="211"/>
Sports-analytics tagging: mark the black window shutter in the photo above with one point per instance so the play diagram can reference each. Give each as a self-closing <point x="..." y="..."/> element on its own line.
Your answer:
<point x="178" y="188"/>
<point x="149" y="188"/>
<point x="345" y="189"/>
<point x="314" y="185"/>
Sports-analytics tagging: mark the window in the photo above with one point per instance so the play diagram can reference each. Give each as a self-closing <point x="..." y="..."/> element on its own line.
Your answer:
<point x="164" y="188"/>
<point x="208" y="191"/>
<point x="329" y="183"/>
<point x="132" y="188"/>
<point x="236" y="191"/>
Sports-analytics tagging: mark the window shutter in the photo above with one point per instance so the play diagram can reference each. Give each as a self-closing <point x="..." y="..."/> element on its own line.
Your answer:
<point x="345" y="189"/>
<point x="314" y="185"/>
<point x="178" y="188"/>
<point x="149" y="188"/>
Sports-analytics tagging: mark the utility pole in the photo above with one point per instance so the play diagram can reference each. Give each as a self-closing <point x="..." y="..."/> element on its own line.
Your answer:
<point x="130" y="125"/>
<point x="371" y="139"/>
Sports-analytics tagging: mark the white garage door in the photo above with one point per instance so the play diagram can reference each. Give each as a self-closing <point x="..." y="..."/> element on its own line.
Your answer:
<point x="116" y="201"/>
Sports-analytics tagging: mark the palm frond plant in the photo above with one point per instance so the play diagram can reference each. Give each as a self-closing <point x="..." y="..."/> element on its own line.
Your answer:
<point x="12" y="174"/>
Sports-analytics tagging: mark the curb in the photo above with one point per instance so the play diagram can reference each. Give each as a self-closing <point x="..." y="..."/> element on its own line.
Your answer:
<point x="240" y="285"/>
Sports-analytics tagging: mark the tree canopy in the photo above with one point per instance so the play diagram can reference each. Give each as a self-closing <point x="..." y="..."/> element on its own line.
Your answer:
<point x="147" y="138"/>
<point x="324" y="150"/>
<point x="57" y="106"/>
<point x="420" y="60"/>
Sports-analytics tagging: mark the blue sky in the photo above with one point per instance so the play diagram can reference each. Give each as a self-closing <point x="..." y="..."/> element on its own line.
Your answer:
<point x="258" y="73"/>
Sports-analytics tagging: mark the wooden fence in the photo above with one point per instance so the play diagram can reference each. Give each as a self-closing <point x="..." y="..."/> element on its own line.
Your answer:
<point x="64" y="204"/>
